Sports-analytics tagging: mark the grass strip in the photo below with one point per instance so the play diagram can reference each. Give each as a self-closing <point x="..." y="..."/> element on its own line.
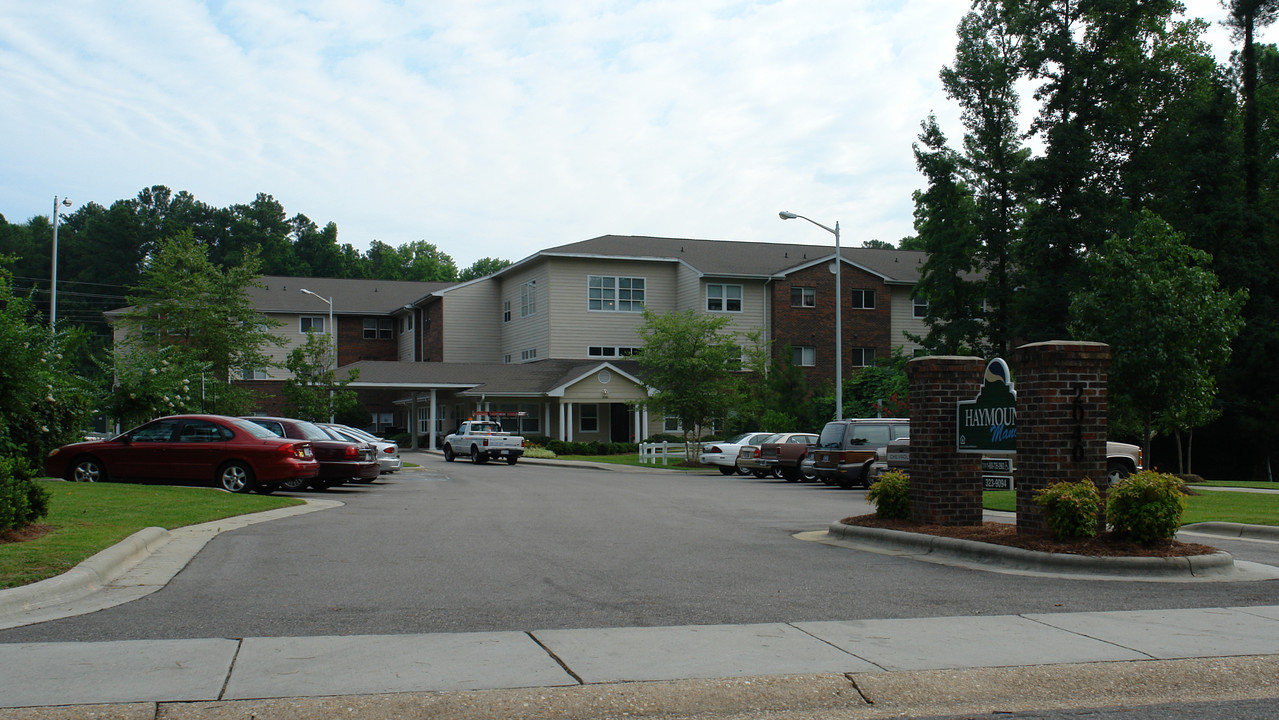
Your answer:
<point x="87" y="518"/>
<point x="1215" y="506"/>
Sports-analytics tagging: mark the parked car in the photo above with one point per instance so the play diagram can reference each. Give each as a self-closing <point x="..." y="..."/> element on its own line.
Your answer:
<point x="340" y="460"/>
<point x="1122" y="459"/>
<point x="233" y="454"/>
<point x="851" y="452"/>
<point x="723" y="454"/>
<point x="785" y="452"/>
<point x="388" y="453"/>
<point x="748" y="457"/>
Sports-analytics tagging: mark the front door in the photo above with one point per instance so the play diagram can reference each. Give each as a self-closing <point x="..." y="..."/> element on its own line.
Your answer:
<point x="619" y="423"/>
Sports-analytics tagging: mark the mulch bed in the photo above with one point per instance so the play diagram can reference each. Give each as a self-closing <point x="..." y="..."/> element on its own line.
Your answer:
<point x="30" y="532"/>
<point x="1103" y="545"/>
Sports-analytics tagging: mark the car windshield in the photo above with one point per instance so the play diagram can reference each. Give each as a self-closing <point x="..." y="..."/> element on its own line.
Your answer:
<point x="252" y="428"/>
<point x="311" y="431"/>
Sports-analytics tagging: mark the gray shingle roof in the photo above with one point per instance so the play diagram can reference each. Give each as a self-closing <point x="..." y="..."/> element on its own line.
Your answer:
<point x="745" y="259"/>
<point x="496" y="379"/>
<point x="351" y="296"/>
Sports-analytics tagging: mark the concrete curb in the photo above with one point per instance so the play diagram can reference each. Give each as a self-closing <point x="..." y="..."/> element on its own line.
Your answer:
<point x="1234" y="530"/>
<point x="1218" y="563"/>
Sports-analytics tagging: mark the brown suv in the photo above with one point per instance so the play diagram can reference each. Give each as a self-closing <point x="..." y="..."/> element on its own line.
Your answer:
<point x="784" y="453"/>
<point x="848" y="450"/>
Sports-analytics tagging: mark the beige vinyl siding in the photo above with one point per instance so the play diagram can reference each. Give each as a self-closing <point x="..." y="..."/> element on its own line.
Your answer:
<point x="754" y="306"/>
<point x="523" y="333"/>
<point x="574" y="328"/>
<point x="689" y="294"/>
<point x="404" y="341"/>
<point x="472" y="323"/>
<point x="902" y="319"/>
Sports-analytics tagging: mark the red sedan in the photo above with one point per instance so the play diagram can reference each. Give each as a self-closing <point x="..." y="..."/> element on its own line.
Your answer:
<point x="234" y="454"/>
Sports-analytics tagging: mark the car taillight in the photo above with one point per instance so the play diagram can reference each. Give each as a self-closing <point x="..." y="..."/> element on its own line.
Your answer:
<point x="301" y="450"/>
<point x="486" y="442"/>
<point x="755" y="452"/>
<point x="352" y="452"/>
<point x="714" y="449"/>
<point x="390" y="450"/>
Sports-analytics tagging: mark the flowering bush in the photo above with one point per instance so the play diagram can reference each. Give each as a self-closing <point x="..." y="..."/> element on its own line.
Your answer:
<point x="890" y="495"/>
<point x="1146" y="506"/>
<point x="152" y="382"/>
<point x="1070" y="508"/>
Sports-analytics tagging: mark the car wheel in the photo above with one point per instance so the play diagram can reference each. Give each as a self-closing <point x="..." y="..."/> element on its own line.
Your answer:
<point x="806" y="475"/>
<point x="741" y="470"/>
<point x="512" y="460"/>
<point x="1116" y="471"/>
<point x="236" y="477"/>
<point x="761" y="474"/>
<point x="448" y="453"/>
<point x="87" y="469"/>
<point x="294" y="484"/>
<point x="726" y="470"/>
<point x="790" y="474"/>
<point x="478" y="457"/>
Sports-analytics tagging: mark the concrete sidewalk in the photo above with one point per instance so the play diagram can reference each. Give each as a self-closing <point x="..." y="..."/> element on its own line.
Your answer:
<point x="220" y="669"/>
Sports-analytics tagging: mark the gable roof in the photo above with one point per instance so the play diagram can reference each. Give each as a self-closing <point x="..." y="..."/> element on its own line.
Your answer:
<point x="728" y="258"/>
<point x="542" y="377"/>
<point x="357" y="296"/>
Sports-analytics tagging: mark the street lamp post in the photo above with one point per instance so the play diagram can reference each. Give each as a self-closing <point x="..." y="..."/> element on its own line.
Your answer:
<point x="53" y="277"/>
<point x="333" y="332"/>
<point x="839" y="324"/>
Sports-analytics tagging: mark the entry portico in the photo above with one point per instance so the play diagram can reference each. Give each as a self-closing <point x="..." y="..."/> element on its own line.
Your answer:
<point x="582" y="400"/>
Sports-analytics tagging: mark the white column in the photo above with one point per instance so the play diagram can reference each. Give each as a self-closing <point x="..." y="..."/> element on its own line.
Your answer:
<point x="433" y="421"/>
<point x="413" y="421"/>
<point x="569" y="427"/>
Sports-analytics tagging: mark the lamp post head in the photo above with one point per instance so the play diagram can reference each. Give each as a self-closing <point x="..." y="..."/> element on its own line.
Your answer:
<point x="787" y="215"/>
<point x="66" y="202"/>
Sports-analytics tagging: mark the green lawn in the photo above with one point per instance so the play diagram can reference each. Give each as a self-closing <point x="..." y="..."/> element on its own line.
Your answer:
<point x="632" y="459"/>
<point x="90" y="517"/>
<point x="1240" y="507"/>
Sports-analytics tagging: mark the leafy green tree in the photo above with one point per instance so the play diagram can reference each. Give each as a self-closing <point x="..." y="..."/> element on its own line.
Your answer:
<point x="879" y="391"/>
<point x="688" y="360"/>
<point x="1244" y="19"/>
<point x="425" y="262"/>
<point x="152" y="381"/>
<point x="482" y="268"/>
<point x="1155" y="301"/>
<point x="314" y="392"/>
<point x="44" y="400"/>
<point x="878" y="245"/>
<point x="184" y="299"/>
<point x="945" y="218"/>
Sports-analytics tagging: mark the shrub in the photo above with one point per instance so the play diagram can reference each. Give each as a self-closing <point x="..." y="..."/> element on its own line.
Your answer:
<point x="22" y="502"/>
<point x="891" y="495"/>
<point x="1070" y="508"/>
<point x="1146" y="507"/>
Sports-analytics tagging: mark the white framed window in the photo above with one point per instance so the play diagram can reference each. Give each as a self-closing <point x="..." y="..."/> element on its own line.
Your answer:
<point x="506" y="359"/>
<point x="378" y="328"/>
<point x="254" y="374"/>
<point x="863" y="299"/>
<point x="803" y="297"/>
<point x="610" y="351"/>
<point x="804" y="355"/>
<point x="311" y="323"/>
<point x="723" y="298"/>
<point x="588" y="418"/>
<point x="919" y="308"/>
<point x="528" y="298"/>
<point x="506" y="311"/>
<point x="606" y="293"/>
<point x="529" y="354"/>
<point x="862" y="357"/>
<point x="672" y="425"/>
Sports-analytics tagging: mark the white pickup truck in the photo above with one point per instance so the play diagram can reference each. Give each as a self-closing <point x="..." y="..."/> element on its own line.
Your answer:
<point x="481" y="440"/>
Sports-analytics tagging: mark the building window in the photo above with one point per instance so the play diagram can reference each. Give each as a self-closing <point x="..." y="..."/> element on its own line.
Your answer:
<point x="588" y="418"/>
<point x="804" y="355"/>
<point x="311" y="324"/>
<point x="528" y="298"/>
<point x="506" y="359"/>
<point x="527" y="424"/>
<point x="611" y="351"/>
<point x="863" y="299"/>
<point x="530" y="354"/>
<point x="723" y="298"/>
<point x="803" y="297"/>
<point x="506" y="311"/>
<point x="920" y="308"/>
<point x="672" y="425"/>
<point x="862" y="357"/>
<point x="254" y="374"/>
<point x="614" y="294"/>
<point x="378" y="328"/>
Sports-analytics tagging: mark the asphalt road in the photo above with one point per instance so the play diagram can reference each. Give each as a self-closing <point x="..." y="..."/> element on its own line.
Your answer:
<point x="454" y="547"/>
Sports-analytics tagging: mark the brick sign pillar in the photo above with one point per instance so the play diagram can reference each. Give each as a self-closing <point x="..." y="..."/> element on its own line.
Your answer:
<point x="945" y="485"/>
<point x="1061" y="420"/>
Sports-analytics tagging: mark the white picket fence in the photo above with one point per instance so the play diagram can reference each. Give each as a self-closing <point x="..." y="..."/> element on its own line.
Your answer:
<point x="650" y="452"/>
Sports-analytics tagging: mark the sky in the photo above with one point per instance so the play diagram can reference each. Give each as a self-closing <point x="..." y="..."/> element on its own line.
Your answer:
<point x="489" y="128"/>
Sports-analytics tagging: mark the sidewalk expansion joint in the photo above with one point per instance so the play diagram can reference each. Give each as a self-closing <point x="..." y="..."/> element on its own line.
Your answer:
<point x="239" y="643"/>
<point x="556" y="658"/>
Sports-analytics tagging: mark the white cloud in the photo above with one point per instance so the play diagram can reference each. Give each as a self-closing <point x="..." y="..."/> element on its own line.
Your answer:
<point x="490" y="128"/>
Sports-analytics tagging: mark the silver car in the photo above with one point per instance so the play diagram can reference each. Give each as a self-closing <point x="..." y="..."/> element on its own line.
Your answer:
<point x="388" y="453"/>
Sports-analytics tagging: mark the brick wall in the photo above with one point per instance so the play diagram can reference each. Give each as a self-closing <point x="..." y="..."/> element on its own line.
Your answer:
<point x="815" y="326"/>
<point x="354" y="347"/>
<point x="1061" y="419"/>
<point x="945" y="485"/>
<point x="431" y="324"/>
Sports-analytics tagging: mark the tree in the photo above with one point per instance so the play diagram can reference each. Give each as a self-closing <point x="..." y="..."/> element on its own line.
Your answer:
<point x="945" y="216"/>
<point x="183" y="299"/>
<point x="1155" y="301"/>
<point x="482" y="268"/>
<point x="314" y="392"/>
<point x="1245" y="17"/>
<point x="688" y="361"/>
<point x="879" y="391"/>
<point x="878" y="245"/>
<point x="152" y="381"/>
